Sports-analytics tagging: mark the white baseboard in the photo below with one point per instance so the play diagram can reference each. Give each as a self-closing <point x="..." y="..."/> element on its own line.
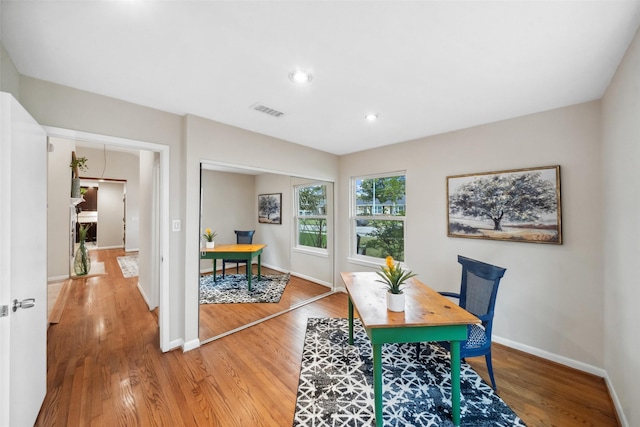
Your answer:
<point x="191" y="345"/>
<point x="616" y="402"/>
<point x="132" y="250"/>
<point x="313" y="279"/>
<point x="174" y="344"/>
<point x="145" y="297"/>
<point x="581" y="366"/>
<point x="57" y="278"/>
<point x="99" y="248"/>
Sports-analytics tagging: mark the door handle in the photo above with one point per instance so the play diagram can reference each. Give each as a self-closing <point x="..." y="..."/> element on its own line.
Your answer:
<point x="25" y="303"/>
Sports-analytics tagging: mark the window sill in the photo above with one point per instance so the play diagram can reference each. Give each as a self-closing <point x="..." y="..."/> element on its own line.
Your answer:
<point x="322" y="253"/>
<point x="365" y="262"/>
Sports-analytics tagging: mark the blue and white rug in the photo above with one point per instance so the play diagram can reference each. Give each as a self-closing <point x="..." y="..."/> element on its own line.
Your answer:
<point x="336" y="384"/>
<point x="233" y="288"/>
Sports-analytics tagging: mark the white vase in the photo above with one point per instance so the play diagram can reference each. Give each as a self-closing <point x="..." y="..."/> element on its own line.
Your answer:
<point x="210" y="245"/>
<point x="395" y="302"/>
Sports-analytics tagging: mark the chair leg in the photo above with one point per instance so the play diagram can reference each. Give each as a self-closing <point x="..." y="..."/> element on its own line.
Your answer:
<point x="223" y="267"/>
<point x="418" y="350"/>
<point x="490" y="369"/>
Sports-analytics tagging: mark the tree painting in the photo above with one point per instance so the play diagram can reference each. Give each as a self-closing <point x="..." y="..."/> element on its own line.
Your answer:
<point x="519" y="205"/>
<point x="269" y="208"/>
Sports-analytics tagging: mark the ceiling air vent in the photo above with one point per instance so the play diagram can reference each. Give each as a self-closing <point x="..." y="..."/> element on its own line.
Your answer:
<point x="267" y="110"/>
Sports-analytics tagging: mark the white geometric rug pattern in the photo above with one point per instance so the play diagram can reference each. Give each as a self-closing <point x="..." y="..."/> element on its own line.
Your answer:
<point x="335" y="387"/>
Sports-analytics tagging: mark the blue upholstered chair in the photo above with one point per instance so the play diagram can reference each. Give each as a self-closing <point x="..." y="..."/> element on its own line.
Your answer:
<point x="478" y="291"/>
<point x="242" y="237"/>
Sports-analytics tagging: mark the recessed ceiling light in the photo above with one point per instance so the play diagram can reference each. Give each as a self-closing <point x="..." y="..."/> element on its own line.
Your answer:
<point x="300" y="76"/>
<point x="371" y="117"/>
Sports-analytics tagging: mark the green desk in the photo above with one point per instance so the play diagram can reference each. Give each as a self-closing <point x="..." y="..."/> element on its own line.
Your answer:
<point x="234" y="252"/>
<point x="428" y="316"/>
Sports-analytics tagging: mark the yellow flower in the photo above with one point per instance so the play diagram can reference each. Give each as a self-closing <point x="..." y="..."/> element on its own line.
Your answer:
<point x="390" y="264"/>
<point x="209" y="235"/>
<point x="393" y="276"/>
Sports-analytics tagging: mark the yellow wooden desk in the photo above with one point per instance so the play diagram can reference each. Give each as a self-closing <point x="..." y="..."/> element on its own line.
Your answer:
<point x="428" y="316"/>
<point x="242" y="252"/>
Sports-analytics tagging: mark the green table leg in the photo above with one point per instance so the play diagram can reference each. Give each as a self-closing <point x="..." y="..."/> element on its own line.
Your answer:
<point x="377" y="382"/>
<point x="350" y="321"/>
<point x="455" y="381"/>
<point x="249" y="272"/>
<point x="259" y="266"/>
<point x="214" y="270"/>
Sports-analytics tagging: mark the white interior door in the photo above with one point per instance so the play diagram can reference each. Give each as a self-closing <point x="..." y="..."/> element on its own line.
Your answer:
<point x="23" y="264"/>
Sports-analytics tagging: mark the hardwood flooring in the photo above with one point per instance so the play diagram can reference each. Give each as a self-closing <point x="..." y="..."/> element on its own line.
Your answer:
<point x="217" y="319"/>
<point x="105" y="369"/>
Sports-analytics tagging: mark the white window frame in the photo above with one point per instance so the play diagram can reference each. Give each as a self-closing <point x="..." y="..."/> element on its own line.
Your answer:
<point x="354" y="256"/>
<point x="298" y="217"/>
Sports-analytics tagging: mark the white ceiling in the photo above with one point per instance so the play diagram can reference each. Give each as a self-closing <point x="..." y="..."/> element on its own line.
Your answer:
<point x="426" y="67"/>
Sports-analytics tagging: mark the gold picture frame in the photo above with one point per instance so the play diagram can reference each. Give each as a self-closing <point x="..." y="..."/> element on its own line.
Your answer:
<point x="520" y="205"/>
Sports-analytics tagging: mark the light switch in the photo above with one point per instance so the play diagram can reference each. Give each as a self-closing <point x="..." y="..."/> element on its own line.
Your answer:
<point x="175" y="225"/>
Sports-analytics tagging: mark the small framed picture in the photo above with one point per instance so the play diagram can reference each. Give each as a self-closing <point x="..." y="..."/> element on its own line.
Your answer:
<point x="269" y="208"/>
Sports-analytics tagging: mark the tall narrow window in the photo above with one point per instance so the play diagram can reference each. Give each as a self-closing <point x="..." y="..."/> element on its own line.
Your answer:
<point x="311" y="218"/>
<point x="378" y="216"/>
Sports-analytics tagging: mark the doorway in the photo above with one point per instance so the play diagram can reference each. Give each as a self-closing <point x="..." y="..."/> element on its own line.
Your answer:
<point x="161" y="209"/>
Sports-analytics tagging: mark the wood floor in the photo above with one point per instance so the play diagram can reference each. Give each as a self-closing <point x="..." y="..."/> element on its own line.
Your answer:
<point x="105" y="369"/>
<point x="217" y="319"/>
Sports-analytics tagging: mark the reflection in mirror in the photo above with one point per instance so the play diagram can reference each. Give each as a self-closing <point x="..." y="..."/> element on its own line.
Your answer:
<point x="296" y="262"/>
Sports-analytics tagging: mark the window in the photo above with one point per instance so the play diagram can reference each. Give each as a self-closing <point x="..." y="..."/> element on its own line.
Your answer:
<point x="311" y="218"/>
<point x="378" y="216"/>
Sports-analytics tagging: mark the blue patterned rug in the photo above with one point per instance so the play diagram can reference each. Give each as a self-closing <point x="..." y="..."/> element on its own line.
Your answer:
<point x="233" y="288"/>
<point x="336" y="384"/>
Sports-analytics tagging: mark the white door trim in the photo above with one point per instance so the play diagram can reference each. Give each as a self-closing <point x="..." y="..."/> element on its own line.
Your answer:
<point x="163" y="150"/>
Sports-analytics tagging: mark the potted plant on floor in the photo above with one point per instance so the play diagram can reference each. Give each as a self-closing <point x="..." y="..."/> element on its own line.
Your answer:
<point x="393" y="276"/>
<point x="208" y="237"/>
<point x="82" y="261"/>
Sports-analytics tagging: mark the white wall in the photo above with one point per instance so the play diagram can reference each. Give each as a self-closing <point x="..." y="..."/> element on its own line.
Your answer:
<point x="147" y="283"/>
<point x="227" y="205"/>
<point x="550" y="298"/>
<point x="59" y="209"/>
<point x="621" y="231"/>
<point x="9" y="76"/>
<point x="276" y="236"/>
<point x="122" y="166"/>
<point x="110" y="213"/>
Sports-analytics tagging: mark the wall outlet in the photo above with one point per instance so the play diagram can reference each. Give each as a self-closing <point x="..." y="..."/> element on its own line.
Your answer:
<point x="175" y="225"/>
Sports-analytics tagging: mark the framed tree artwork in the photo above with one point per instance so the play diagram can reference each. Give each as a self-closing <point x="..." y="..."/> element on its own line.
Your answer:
<point x="269" y="208"/>
<point x="521" y="205"/>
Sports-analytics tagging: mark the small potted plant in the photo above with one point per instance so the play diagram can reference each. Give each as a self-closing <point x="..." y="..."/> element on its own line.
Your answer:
<point x="393" y="276"/>
<point x="208" y="237"/>
<point x="77" y="164"/>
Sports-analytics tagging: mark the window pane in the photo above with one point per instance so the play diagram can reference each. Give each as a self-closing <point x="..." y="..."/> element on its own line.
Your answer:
<point x="312" y="232"/>
<point x="381" y="196"/>
<point x="312" y="200"/>
<point x="379" y="239"/>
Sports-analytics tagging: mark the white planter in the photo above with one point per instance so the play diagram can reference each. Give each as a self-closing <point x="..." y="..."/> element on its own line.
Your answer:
<point x="395" y="302"/>
<point x="210" y="245"/>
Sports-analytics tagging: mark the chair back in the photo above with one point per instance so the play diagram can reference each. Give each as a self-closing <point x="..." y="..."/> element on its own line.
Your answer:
<point x="479" y="287"/>
<point x="244" y="237"/>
